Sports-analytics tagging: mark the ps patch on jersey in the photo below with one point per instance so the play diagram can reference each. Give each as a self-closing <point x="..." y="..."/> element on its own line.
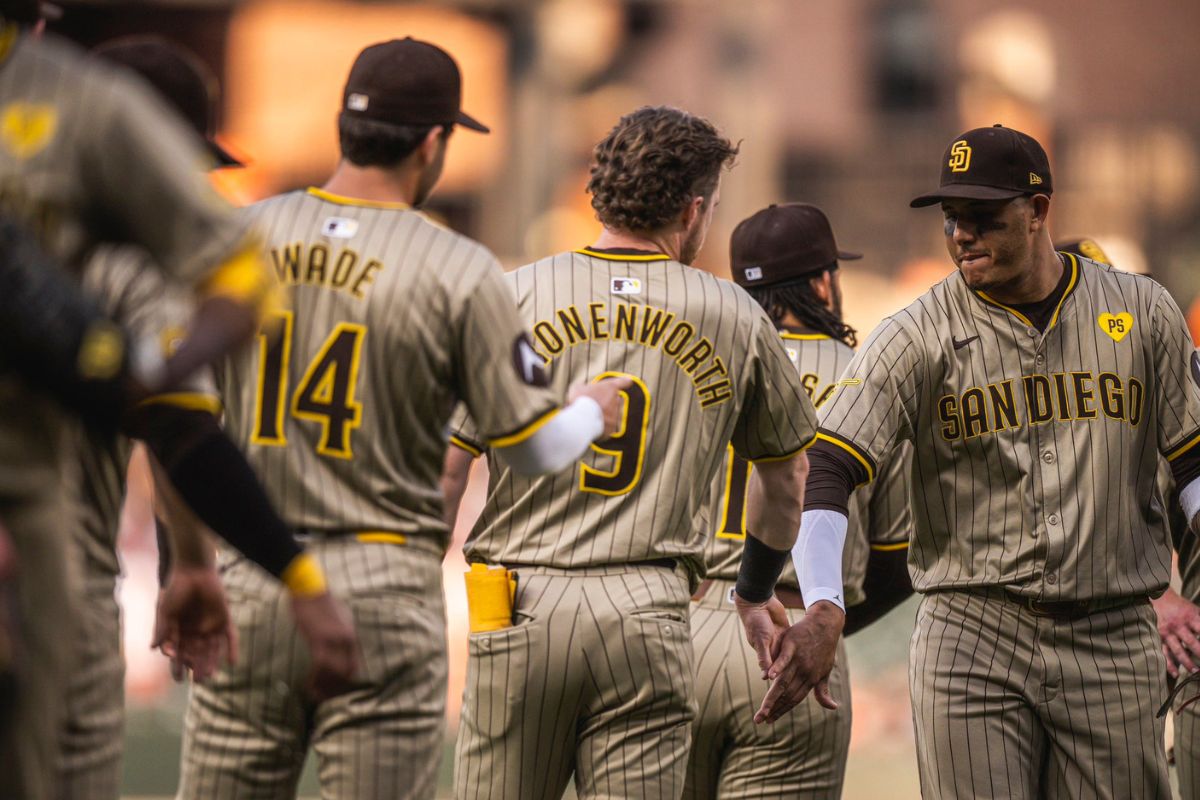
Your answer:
<point x="1117" y="326"/>
<point x="339" y="227"/>
<point x="626" y="286"/>
<point x="528" y="363"/>
<point x="793" y="354"/>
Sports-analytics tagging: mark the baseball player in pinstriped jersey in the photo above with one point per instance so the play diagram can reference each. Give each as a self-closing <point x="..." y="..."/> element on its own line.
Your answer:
<point x="594" y="676"/>
<point x="87" y="156"/>
<point x="1039" y="390"/>
<point x="786" y="258"/>
<point x="393" y="318"/>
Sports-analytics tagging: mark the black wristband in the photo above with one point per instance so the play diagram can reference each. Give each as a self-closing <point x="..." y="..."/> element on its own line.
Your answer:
<point x="760" y="568"/>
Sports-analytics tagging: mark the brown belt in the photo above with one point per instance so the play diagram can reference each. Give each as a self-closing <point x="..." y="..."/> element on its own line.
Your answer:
<point x="789" y="597"/>
<point x="1061" y="610"/>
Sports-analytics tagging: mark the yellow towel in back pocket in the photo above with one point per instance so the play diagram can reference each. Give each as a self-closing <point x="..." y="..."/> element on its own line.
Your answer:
<point x="490" y="593"/>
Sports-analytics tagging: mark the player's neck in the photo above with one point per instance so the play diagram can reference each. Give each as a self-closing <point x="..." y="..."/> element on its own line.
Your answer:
<point x="373" y="183"/>
<point x="669" y="243"/>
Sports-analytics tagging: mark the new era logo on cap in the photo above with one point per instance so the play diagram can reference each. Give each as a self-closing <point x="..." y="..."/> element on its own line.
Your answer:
<point x="1034" y="179"/>
<point x="753" y="273"/>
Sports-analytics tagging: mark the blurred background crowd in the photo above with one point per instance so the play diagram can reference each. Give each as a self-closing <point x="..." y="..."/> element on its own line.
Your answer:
<point x="844" y="104"/>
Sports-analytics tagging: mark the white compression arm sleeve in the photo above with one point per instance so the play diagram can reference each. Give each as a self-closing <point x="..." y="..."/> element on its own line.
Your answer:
<point x="559" y="442"/>
<point x="1189" y="498"/>
<point x="817" y="556"/>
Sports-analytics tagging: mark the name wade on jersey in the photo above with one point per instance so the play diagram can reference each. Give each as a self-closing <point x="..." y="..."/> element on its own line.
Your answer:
<point x="1062" y="396"/>
<point x="644" y="325"/>
<point x="313" y="264"/>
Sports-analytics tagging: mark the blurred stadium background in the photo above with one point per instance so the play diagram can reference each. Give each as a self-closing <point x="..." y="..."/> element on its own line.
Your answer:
<point x="845" y="104"/>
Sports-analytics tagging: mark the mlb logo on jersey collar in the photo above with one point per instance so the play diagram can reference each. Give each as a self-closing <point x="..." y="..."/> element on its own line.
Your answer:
<point x="626" y="286"/>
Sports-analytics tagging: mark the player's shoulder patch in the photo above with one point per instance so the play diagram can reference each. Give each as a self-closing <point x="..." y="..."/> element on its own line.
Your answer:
<point x="529" y="365"/>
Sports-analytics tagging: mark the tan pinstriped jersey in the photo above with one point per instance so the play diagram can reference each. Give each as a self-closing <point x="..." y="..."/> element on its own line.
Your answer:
<point x="1035" y="454"/>
<point x="154" y="312"/>
<point x="89" y="155"/>
<point x="393" y="319"/>
<point x="879" y="515"/>
<point x="708" y="368"/>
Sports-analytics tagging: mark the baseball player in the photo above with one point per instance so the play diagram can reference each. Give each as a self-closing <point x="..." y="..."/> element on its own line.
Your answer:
<point x="1039" y="390"/>
<point x="589" y="670"/>
<point x="393" y="318"/>
<point x="88" y="155"/>
<point x="786" y="257"/>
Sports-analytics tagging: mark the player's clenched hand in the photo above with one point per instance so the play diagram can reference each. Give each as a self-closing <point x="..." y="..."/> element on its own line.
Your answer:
<point x="803" y="662"/>
<point x="607" y="393"/>
<point x="764" y="623"/>
<point x="328" y="629"/>
<point x="1178" y="625"/>
<point x="192" y="625"/>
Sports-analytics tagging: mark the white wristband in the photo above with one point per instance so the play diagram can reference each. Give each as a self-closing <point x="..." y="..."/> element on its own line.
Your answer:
<point x="817" y="556"/>
<point x="1189" y="498"/>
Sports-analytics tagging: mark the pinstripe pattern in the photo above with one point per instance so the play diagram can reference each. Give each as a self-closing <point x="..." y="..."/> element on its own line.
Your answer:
<point x="393" y="317"/>
<point x="878" y="512"/>
<point x="595" y="679"/>
<point x="87" y="155"/>
<point x="1009" y="705"/>
<point x="89" y="766"/>
<point x="1048" y="492"/>
<point x="764" y="411"/>
<point x="438" y="324"/>
<point x="802" y="755"/>
<point x="1187" y="751"/>
<point x="248" y="729"/>
<point x="1074" y="487"/>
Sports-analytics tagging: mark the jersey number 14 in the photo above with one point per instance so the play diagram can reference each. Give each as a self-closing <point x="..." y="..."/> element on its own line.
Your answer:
<point x="324" y="394"/>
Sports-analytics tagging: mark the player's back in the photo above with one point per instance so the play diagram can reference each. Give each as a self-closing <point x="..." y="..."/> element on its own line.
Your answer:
<point x="342" y="413"/>
<point x="707" y="367"/>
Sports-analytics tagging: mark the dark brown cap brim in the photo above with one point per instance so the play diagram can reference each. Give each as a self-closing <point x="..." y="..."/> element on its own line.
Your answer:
<point x="846" y="256"/>
<point x="467" y="121"/>
<point x="964" y="191"/>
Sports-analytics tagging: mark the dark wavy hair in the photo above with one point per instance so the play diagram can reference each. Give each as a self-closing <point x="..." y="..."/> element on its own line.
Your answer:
<point x="652" y="163"/>
<point x="798" y="298"/>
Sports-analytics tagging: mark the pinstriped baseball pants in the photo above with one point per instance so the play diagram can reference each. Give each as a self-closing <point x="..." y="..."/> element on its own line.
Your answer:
<point x="248" y="729"/>
<point x="802" y="755"/>
<point x="1011" y="705"/>
<point x="595" y="679"/>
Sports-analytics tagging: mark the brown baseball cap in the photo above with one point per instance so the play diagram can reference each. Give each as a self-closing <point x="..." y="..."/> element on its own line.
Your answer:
<point x="407" y="82"/>
<point x="182" y="79"/>
<point x="781" y="243"/>
<point x="995" y="163"/>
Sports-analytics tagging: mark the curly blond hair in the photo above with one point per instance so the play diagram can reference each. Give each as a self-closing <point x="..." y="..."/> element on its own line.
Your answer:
<point x="651" y="165"/>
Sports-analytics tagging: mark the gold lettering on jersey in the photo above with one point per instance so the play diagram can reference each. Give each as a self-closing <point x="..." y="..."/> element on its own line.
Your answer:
<point x="1062" y="396"/>
<point x="960" y="156"/>
<point x="304" y="264"/>
<point x="1116" y="326"/>
<point x="648" y="326"/>
<point x="26" y="128"/>
<point x="811" y="383"/>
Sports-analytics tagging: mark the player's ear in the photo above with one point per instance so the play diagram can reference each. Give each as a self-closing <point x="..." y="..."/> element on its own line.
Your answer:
<point x="692" y="212"/>
<point x="822" y="286"/>
<point x="1039" y="205"/>
<point x="429" y="145"/>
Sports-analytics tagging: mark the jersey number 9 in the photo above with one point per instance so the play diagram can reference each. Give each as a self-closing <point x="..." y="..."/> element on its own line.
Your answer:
<point x="626" y="447"/>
